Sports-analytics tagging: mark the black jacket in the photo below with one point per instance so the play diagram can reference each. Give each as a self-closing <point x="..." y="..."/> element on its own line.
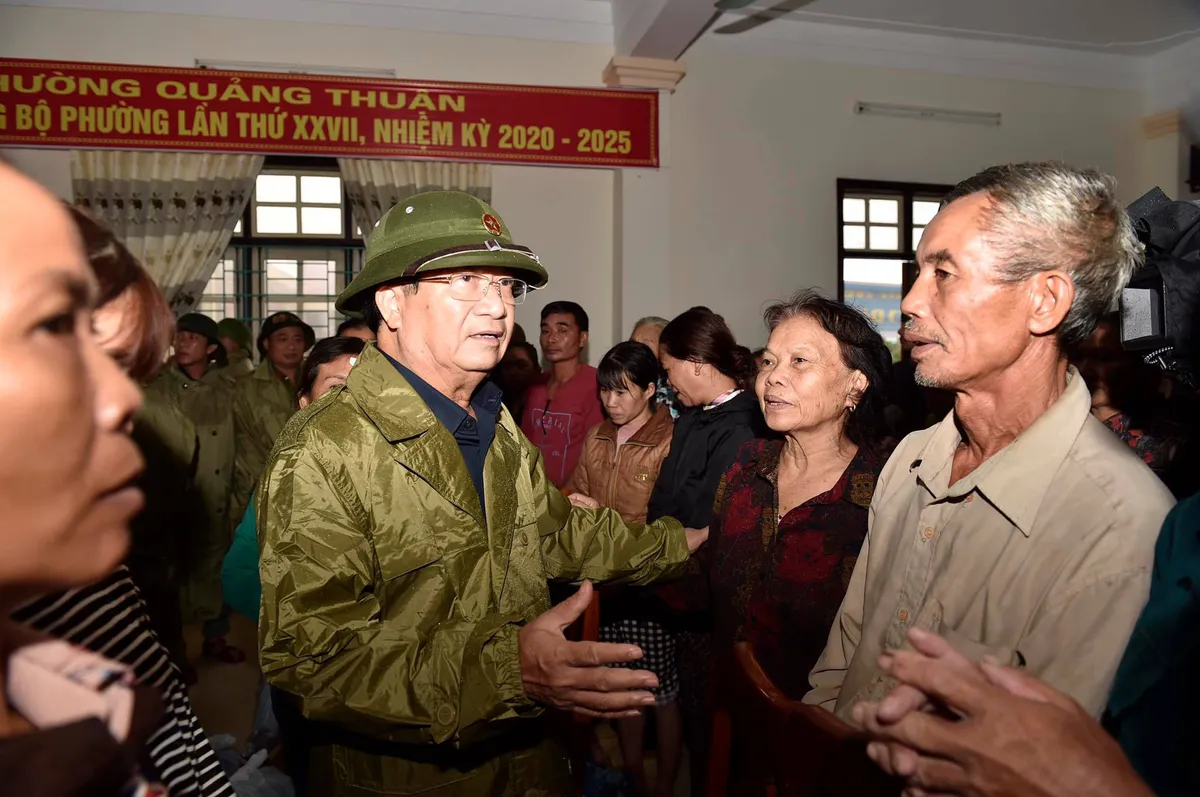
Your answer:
<point x="703" y="447"/>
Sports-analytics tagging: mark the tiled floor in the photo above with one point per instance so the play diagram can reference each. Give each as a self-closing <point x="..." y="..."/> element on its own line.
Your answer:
<point x="226" y="695"/>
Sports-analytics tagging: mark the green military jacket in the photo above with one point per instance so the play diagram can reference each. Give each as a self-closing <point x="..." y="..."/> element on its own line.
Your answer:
<point x="391" y="607"/>
<point x="239" y="364"/>
<point x="262" y="404"/>
<point x="169" y="444"/>
<point x="208" y="404"/>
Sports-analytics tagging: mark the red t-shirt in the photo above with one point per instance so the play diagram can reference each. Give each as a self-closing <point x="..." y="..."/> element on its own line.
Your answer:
<point x="559" y="427"/>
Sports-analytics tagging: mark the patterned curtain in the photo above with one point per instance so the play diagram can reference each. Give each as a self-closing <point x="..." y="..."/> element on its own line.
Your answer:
<point x="174" y="210"/>
<point x="373" y="186"/>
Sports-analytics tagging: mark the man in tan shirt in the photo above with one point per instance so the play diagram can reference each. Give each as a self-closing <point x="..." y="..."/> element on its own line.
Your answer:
<point x="1019" y="527"/>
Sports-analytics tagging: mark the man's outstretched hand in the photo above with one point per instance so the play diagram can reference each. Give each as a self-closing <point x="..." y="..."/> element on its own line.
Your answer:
<point x="572" y="676"/>
<point x="696" y="538"/>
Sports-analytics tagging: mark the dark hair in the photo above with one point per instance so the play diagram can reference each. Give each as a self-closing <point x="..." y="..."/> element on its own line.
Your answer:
<point x="627" y="363"/>
<point x="352" y="323"/>
<point x="862" y="349"/>
<point x="528" y="348"/>
<point x="699" y="335"/>
<point x="568" y="308"/>
<point x="325" y="351"/>
<point x="151" y="325"/>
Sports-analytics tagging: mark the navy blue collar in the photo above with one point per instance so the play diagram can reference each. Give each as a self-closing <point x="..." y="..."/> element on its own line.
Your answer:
<point x="487" y="398"/>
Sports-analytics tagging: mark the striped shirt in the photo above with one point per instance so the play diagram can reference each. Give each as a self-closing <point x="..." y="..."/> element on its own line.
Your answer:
<point x="109" y="618"/>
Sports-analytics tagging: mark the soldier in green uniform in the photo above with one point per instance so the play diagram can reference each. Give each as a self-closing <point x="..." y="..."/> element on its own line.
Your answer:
<point x="202" y="390"/>
<point x="408" y="530"/>
<point x="237" y="340"/>
<point x="265" y="399"/>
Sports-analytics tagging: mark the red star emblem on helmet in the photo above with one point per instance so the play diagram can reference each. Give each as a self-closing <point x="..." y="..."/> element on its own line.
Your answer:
<point x="492" y="224"/>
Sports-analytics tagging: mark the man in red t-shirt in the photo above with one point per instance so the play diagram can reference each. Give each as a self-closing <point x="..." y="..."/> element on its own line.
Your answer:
<point x="565" y="403"/>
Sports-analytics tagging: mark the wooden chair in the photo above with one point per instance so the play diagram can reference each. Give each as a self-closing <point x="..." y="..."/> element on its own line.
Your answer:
<point x="783" y="747"/>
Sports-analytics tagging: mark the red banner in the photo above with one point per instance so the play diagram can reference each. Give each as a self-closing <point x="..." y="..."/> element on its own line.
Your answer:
<point x="90" y="106"/>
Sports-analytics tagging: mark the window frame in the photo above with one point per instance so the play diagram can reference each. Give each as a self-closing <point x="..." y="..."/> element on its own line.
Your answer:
<point x="250" y="252"/>
<point x="300" y="165"/>
<point x="907" y="193"/>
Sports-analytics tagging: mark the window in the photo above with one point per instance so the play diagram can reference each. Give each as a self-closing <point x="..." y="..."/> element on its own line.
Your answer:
<point x="880" y="225"/>
<point x="292" y="250"/>
<point x="308" y="205"/>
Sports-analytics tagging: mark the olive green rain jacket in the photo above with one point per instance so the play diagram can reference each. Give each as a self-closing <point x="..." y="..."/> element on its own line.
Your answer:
<point x="239" y="364"/>
<point x="262" y="405"/>
<point x="166" y="532"/>
<point x="208" y="404"/>
<point x="391" y="606"/>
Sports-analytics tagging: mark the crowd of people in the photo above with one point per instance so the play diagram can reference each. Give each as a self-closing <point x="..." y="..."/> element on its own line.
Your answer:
<point x="414" y="513"/>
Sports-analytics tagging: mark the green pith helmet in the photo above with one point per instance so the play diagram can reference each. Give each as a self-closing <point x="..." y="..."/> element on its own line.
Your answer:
<point x="236" y="331"/>
<point x="438" y="231"/>
<point x="199" y="324"/>
<point x="278" y="321"/>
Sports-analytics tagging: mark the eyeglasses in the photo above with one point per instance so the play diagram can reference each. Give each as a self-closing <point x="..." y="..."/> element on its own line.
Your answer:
<point x="475" y="287"/>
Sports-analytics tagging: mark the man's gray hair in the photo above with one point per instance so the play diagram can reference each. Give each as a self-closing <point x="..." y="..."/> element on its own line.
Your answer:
<point x="653" y="320"/>
<point x="1048" y="216"/>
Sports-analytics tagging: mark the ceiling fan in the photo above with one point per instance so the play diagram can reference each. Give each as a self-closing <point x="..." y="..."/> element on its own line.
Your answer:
<point x="757" y="18"/>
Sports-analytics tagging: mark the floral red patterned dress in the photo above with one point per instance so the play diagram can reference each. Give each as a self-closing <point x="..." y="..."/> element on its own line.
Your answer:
<point x="778" y="582"/>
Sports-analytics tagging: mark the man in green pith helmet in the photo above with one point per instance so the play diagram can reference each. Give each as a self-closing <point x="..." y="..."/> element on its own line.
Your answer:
<point x="238" y="343"/>
<point x="408" y="530"/>
<point x="201" y="389"/>
<point x="265" y="399"/>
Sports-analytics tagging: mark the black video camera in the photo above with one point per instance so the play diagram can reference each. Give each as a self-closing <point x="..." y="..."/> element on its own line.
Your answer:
<point x="1160" y="309"/>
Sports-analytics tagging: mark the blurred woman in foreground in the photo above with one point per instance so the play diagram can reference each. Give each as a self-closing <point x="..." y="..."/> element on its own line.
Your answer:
<point x="97" y="323"/>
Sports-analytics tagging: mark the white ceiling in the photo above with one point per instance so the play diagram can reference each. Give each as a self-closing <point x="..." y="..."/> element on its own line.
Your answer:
<point x="1124" y="26"/>
<point x="1128" y="44"/>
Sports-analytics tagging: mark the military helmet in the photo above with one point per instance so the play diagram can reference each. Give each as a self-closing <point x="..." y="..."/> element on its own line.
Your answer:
<point x="199" y="324"/>
<point x="237" y="331"/>
<point x="438" y="231"/>
<point x="278" y="321"/>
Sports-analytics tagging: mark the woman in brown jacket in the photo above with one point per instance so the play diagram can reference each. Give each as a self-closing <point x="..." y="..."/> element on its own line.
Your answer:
<point x="618" y="468"/>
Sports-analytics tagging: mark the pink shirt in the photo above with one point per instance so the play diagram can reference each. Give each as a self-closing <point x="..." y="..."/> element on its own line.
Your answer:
<point x="559" y="427"/>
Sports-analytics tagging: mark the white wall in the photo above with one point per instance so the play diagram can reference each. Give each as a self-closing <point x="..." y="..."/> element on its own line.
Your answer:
<point x="747" y="206"/>
<point x="759" y="143"/>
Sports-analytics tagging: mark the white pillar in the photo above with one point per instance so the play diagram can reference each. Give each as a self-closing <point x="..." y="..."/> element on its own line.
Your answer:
<point x="642" y="207"/>
<point x="1163" y="154"/>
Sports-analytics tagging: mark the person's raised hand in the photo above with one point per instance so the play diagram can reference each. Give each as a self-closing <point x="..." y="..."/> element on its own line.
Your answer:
<point x="583" y="501"/>
<point x="572" y="676"/>
<point x="696" y="538"/>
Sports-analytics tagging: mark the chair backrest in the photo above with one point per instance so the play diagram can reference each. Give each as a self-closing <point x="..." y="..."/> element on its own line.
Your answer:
<point x="771" y="744"/>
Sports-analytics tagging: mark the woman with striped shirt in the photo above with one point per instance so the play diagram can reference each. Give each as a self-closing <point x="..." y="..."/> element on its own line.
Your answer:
<point x="133" y="325"/>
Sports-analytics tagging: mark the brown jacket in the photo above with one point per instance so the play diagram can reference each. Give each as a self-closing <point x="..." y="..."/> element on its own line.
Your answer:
<point x="622" y="479"/>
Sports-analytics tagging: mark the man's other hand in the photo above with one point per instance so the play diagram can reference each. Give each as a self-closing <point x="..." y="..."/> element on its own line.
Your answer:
<point x="1000" y="732"/>
<point x="572" y="676"/>
<point x="696" y="538"/>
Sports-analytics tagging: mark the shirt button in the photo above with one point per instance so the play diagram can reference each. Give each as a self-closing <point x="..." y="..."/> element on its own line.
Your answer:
<point x="469" y="423"/>
<point x="903" y="615"/>
<point x="214" y="433"/>
<point x="970" y="498"/>
<point x="927" y="534"/>
<point x="445" y="714"/>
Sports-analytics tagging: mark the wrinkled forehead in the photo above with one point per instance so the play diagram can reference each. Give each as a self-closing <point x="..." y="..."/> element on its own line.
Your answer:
<point x="801" y="331"/>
